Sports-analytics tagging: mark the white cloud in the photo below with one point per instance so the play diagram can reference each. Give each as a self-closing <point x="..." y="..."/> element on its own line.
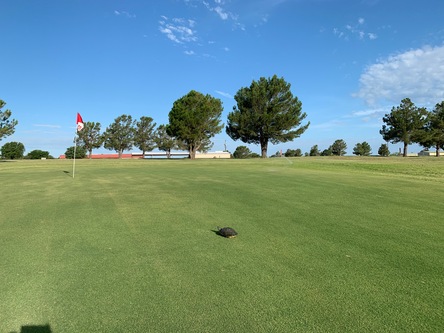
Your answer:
<point x="355" y="31"/>
<point x="124" y="13"/>
<point x="370" y="113"/>
<point x="189" y="52"/>
<point x="179" y="31"/>
<point x="222" y="13"/>
<point x="416" y="74"/>
<point x="225" y="94"/>
<point x="219" y="10"/>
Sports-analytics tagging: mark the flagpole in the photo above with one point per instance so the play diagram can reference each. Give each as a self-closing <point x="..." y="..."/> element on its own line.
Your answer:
<point x="74" y="160"/>
<point x="80" y="125"/>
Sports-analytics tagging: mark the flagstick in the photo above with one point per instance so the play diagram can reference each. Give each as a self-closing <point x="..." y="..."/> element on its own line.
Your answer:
<point x="74" y="161"/>
<point x="80" y="125"/>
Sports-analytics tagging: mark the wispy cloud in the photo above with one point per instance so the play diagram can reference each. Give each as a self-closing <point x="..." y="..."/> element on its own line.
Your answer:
<point x="225" y="94"/>
<point x="416" y="74"/>
<point x="370" y="113"/>
<point x="218" y="7"/>
<point x="354" y="31"/>
<point x="124" y="13"/>
<point x="178" y="30"/>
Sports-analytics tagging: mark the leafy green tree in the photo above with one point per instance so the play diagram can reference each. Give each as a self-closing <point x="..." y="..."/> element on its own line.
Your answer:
<point x="404" y="124"/>
<point x="80" y="152"/>
<point x="327" y="152"/>
<point x="242" y="152"/>
<point x="90" y="137"/>
<point x="362" y="149"/>
<point x="194" y="119"/>
<point x="384" y="150"/>
<point x="314" y="151"/>
<point x="13" y="150"/>
<point x="144" y="134"/>
<point x="119" y="136"/>
<point x="338" y="148"/>
<point x="7" y="126"/>
<point x="266" y="112"/>
<point x="38" y="154"/>
<point x="164" y="142"/>
<point x="433" y="133"/>
<point x="293" y="153"/>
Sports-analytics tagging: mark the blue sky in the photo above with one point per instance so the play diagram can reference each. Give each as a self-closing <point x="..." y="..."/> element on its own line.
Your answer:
<point x="348" y="61"/>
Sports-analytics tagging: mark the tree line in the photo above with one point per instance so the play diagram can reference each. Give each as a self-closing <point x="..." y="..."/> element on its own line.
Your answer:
<point x="405" y="124"/>
<point x="266" y="111"/>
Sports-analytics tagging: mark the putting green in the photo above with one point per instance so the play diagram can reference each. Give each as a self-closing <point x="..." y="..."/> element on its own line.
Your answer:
<point x="324" y="245"/>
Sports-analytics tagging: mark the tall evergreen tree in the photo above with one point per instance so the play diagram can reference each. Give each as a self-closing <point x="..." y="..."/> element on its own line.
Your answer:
<point x="266" y="112"/>
<point x="433" y="133"/>
<point x="404" y="123"/>
<point x="7" y="126"/>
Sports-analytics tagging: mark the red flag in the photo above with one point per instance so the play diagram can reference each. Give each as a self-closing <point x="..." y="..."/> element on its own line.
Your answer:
<point x="79" y="122"/>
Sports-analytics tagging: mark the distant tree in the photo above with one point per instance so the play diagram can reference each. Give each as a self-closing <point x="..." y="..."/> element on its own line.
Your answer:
<point x="266" y="111"/>
<point x="165" y="142"/>
<point x="194" y="120"/>
<point x="327" y="152"/>
<point x="433" y="133"/>
<point x="90" y="137"/>
<point x="242" y="152"/>
<point x="7" y="126"/>
<point x="384" y="150"/>
<point x="38" y="154"/>
<point x="314" y="151"/>
<point x="338" y="148"/>
<point x="80" y="152"/>
<point x="119" y="135"/>
<point x="255" y="155"/>
<point x="362" y="149"/>
<point x="404" y="124"/>
<point x="293" y="153"/>
<point x="13" y="150"/>
<point x="144" y="137"/>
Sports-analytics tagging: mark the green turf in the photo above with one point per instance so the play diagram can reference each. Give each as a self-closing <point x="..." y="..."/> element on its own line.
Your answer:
<point x="324" y="245"/>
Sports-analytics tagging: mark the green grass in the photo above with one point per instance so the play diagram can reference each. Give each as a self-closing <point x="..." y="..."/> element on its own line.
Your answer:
<point x="324" y="245"/>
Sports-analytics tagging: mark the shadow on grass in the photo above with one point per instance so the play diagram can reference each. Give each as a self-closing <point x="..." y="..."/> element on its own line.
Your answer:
<point x="66" y="172"/>
<point x="35" y="329"/>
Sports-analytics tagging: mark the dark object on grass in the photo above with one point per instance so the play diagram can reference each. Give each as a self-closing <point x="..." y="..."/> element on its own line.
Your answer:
<point x="226" y="232"/>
